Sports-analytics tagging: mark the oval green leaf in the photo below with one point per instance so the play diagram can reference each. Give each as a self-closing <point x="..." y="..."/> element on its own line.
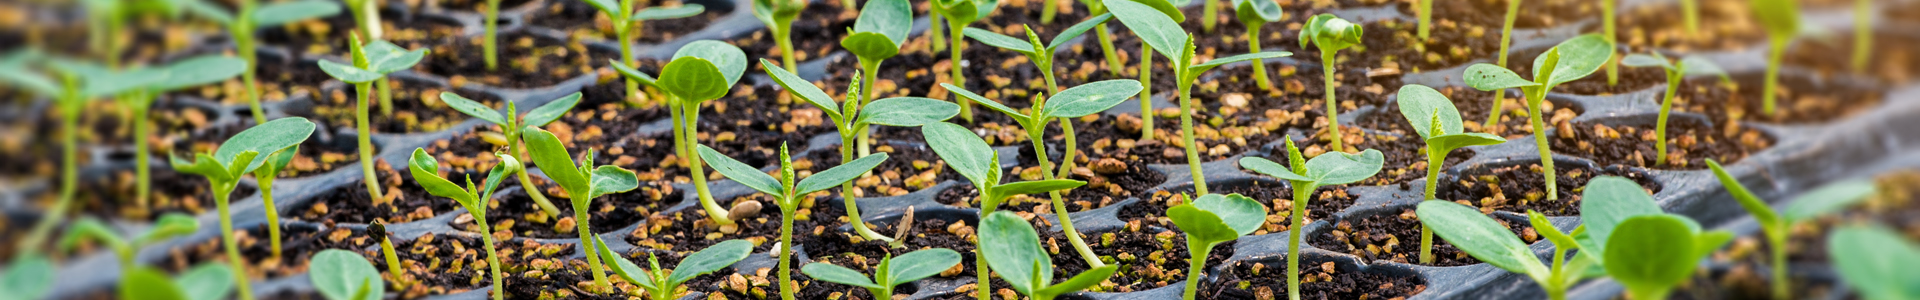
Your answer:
<point x="1013" y="250"/>
<point x="339" y="274"/>
<point x="1481" y="237"/>
<point x="1090" y="98"/>
<point x="708" y="260"/>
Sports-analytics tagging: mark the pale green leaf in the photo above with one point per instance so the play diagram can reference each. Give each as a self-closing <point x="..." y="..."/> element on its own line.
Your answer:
<point x="612" y="180"/>
<point x="741" y="172"/>
<point x="907" y="111"/>
<point x="1828" y="199"/>
<point x="271" y="15"/>
<point x="28" y="276"/>
<point x="708" y="260"/>
<point x="824" y="271"/>
<point x="1489" y="77"/>
<point x="839" y="174"/>
<point x="1481" y="237"/>
<point x="1605" y="203"/>
<point x="1081" y="281"/>
<point x="1154" y="21"/>
<point x="550" y="155"/>
<point x="472" y="108"/>
<point x="268" y="137"/>
<point x="665" y="13"/>
<point x="727" y="59"/>
<point x="1270" y="168"/>
<point x="1077" y="30"/>
<point x="208" y="281"/>
<point x="893" y="18"/>
<point x="920" y="264"/>
<point x="1651" y="252"/>
<point x="962" y="150"/>
<point x="1090" y="98"/>
<point x="1343" y="168"/>
<point x="632" y="73"/>
<point x="348" y="73"/>
<point x="553" y="110"/>
<point x="621" y="266"/>
<point x="339" y="273"/>
<point x="1000" y="41"/>
<point x="425" y="171"/>
<point x="1419" y="104"/>
<point x="1876" y="261"/>
<point x="693" y="79"/>
<point x="990" y="103"/>
<point x="1013" y="250"/>
<point x="870" y="46"/>
<point x="144" y="283"/>
<point x="1579" y="57"/>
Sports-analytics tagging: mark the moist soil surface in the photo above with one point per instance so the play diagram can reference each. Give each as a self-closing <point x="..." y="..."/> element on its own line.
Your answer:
<point x="525" y="61"/>
<point x="173" y="192"/>
<point x="405" y="201"/>
<point x="579" y="18"/>
<point x="1519" y="188"/>
<point x="1395" y="237"/>
<point x="1320" y="279"/>
<point x="1689" y="145"/>
<point x="1276" y="197"/>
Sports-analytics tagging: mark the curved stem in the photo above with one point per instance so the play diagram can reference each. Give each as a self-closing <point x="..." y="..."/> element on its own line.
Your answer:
<point x="1146" y="92"/>
<point x="394" y="268"/>
<point x="385" y="87"/>
<point x="586" y="236"/>
<point x="1776" y="47"/>
<point x="1506" y="38"/>
<point x="1259" y="67"/>
<point x="1660" y="125"/>
<point x="1557" y="290"/>
<point x="1186" y="132"/>
<point x="371" y="179"/>
<point x="1540" y="141"/>
<point x="69" y="174"/>
<point x="222" y="190"/>
<point x="1049" y="8"/>
<point x="242" y="32"/>
<point x="1196" y="264"/>
<point x="1333" y="106"/>
<point x="958" y="79"/>
<point x="143" y="157"/>
<point x="786" y="252"/>
<point x="1209" y="14"/>
<point x="783" y="37"/>
<point x="372" y="24"/>
<point x="1059" y="204"/>
<point x="526" y="181"/>
<point x="852" y="204"/>
<point x="493" y="258"/>
<point x="697" y="168"/>
<point x="1114" y="64"/>
<point x="273" y="211"/>
<point x="1300" y="194"/>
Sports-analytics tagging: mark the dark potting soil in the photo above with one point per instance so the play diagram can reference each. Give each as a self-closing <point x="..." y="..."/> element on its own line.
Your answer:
<point x="297" y="245"/>
<point x="1887" y="61"/>
<point x="281" y="79"/>
<point x="1689" y="145"/>
<point x="406" y="201"/>
<point x="576" y="17"/>
<point x="172" y="192"/>
<point x="417" y="108"/>
<point x="908" y="168"/>
<point x="1801" y="100"/>
<point x="1405" y="152"/>
<point x="524" y="218"/>
<point x="1148" y="257"/>
<point x="525" y="61"/>
<point x="1396" y="237"/>
<point x="1724" y="25"/>
<point x="1319" y="277"/>
<point x="1326" y="201"/>
<point x="326" y="36"/>
<point x="441" y="264"/>
<point x="1519" y="188"/>
<point x="813" y="37"/>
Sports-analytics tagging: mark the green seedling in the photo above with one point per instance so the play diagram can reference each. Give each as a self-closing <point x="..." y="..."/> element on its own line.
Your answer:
<point x="959" y="14"/>
<point x="248" y="17"/>
<point x="204" y="282"/>
<point x="892" y="271"/>
<point x="1862" y="34"/>
<point x="1438" y="123"/>
<point x="1607" y="30"/>
<point x="1079" y="101"/>
<point x="1040" y="54"/>
<point x="378" y="231"/>
<point x="582" y="181"/>
<point x="1675" y="72"/>
<point x="1149" y="20"/>
<point x="778" y="15"/>
<point x="1568" y="61"/>
<point x="138" y="88"/>
<point x="1332" y="168"/>
<point x="28" y="276"/>
<point x="1781" y="19"/>
<point x="788" y="193"/>
<point x="345" y="275"/>
<point x="1011" y="245"/>
<point x="366" y="15"/>
<point x="237" y="157"/>
<point x="661" y="285"/>
<point x="627" y="26"/>
<point x="1210" y="220"/>
<point x="1114" y="64"/>
<point x="509" y="123"/>
<point x="1425" y="16"/>
<point x="1157" y="18"/>
<point x="1506" y="38"/>
<point x="970" y="156"/>
<point x="883" y="27"/>
<point x="1876" y="261"/>
<point x="426" y="172"/>
<point x="1255" y="14"/>
<point x="1777" y="226"/>
<point x="264" y="177"/>
<point x="700" y="71"/>
<point x="1333" y="34"/>
<point x="853" y="118"/>
<point x="107" y="18"/>
<point x="17" y="72"/>
<point x="124" y="247"/>
<point x="1653" y="253"/>
<point x="371" y="62"/>
<point x="1484" y="239"/>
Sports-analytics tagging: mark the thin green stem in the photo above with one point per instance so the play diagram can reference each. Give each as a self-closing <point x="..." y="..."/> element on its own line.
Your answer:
<point x="1209" y="14"/>
<point x="1426" y="20"/>
<point x="580" y="218"/>
<point x="1114" y="64"/>
<point x="1196" y="264"/>
<point x="1035" y="135"/>
<point x="1660" y="125"/>
<point x="1186" y="133"/>
<point x="1862" y="34"/>
<point x="981" y="285"/>
<point x="1506" y="38"/>
<point x="623" y="35"/>
<point x="493" y="258"/>
<point x="786" y="251"/>
<point x="1146" y="92"/>
<point x="867" y="93"/>
<point x="111" y="39"/>
<point x="69" y="172"/>
<point x="783" y="38"/>
<point x="1049" y="8"/>
<point x="936" y="36"/>
<point x="385" y="87"/>
<point x="1777" y="238"/>
<point x="371" y="8"/>
<point x="1333" y="106"/>
<point x="959" y="80"/>
<point x="1607" y="24"/>
<point x="691" y="118"/>
<point x="142" y="158"/>
<point x="1540" y="141"/>
<point x="221" y="192"/>
<point x="1690" y="13"/>
<point x="846" y="196"/>
<point x="1557" y="290"/>
<point x="849" y="5"/>
<point x="242" y="32"/>
<point x="1776" y="47"/>
<point x="394" y="269"/>
<point x="488" y="43"/>
<point x="1435" y="159"/>
<point x="273" y="211"/>
<point x="526" y="181"/>
<point x="371" y="179"/>
<point x="1259" y="66"/>
<point x="1300" y="193"/>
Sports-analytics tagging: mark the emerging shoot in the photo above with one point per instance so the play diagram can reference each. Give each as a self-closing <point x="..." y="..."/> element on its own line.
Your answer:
<point x="1011" y="245"/>
<point x="234" y="159"/>
<point x="1490" y="242"/>
<point x="1675" y="72"/>
<point x="371" y="62"/>
<point x="1570" y="60"/>
<point x="959" y="14"/>
<point x="1438" y="123"/>
<point x="788" y="193"/>
<point x="582" y="181"/>
<point x="970" y="156"/>
<point x="892" y="271"/>
<point x="883" y="27"/>
<point x="510" y="122"/>
<point x="1781" y="19"/>
<point x="1777" y="226"/>
<point x="661" y="285"/>
<point x="1333" y="34"/>
<point x="700" y="71"/>
<point x="1255" y="14"/>
<point x="1331" y="168"/>
<point x="426" y="172"/>
<point x="627" y="24"/>
<point x="1210" y="220"/>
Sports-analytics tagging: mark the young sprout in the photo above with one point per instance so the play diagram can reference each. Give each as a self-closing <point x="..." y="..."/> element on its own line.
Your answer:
<point x="700" y="71"/>
<point x="426" y="172"/>
<point x="1425" y="14"/>
<point x="1333" y="34"/>
<point x="138" y="88"/>
<point x="1568" y="61"/>
<point x="345" y="275"/>
<point x="248" y="17"/>
<point x="124" y="247"/>
<point x="1146" y="23"/>
<point x="788" y="193"/>
<point x="778" y="15"/>
<point x="1506" y="38"/>
<point x="1011" y="245"/>
<point x="28" y="276"/>
<point x="1079" y="101"/>
<point x="970" y="156"/>
<point x="510" y="123"/>
<point x="959" y="14"/>
<point x="1255" y="14"/>
<point x="204" y="282"/>
<point x="1607" y="28"/>
<point x="378" y="231"/>
<point x="661" y="285"/>
<point x="1332" y="168"/>
<point x="1484" y="239"/>
<point x="581" y="181"/>
<point x="1824" y="200"/>
<point x="891" y="271"/>
<point x="1638" y="245"/>
<point x="627" y="25"/>
<point x="1781" y="19"/>
<point x="854" y="117"/>
<point x="1438" y="123"/>
<point x="1149" y="20"/>
<point x="1876" y="261"/>
<point x="235" y="158"/>
<point x="371" y="63"/>
<point x="65" y="89"/>
<point x="105" y="20"/>
<point x="882" y="28"/>
<point x="1040" y="54"/>
<point x="1675" y="72"/>
<point x="1210" y="220"/>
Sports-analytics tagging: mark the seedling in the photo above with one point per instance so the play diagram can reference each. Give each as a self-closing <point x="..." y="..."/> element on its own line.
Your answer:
<point x="124" y="247"/>
<point x="778" y="15"/>
<point x="366" y="15"/>
<point x="1506" y="38"/>
<point x="1438" y="123"/>
<point x="1490" y="242"/>
<point x="1114" y="67"/>
<point x="240" y="155"/>
<point x="371" y="63"/>
<point x="247" y="18"/>
<point x="106" y="19"/>
<point x="581" y="181"/>
<point x="661" y="285"/>
<point x="891" y="272"/>
<point x="138" y="88"/>
<point x="1653" y="253"/>
<point x="66" y="90"/>
<point x="1210" y="220"/>
<point x="1781" y="19"/>
<point x="854" y="118"/>
<point x="959" y="14"/>
<point x="426" y="172"/>
<point x="1011" y="245"/>
<point x="1425" y="14"/>
<point x="1568" y="61"/>
<point x="1333" y="34"/>
<point x="1155" y="26"/>
<point x="204" y="282"/>
<point x="1828" y="199"/>
<point x="1091" y="98"/>
<point x="627" y="26"/>
<point x="1149" y="20"/>
<point x="28" y="276"/>
<point x="1876" y="261"/>
<point x="345" y="275"/>
<point x="1675" y="72"/>
<point x="1040" y="54"/>
<point x="1255" y="14"/>
<point x="378" y="231"/>
<point x="1607" y="28"/>
<point x="1331" y="168"/>
<point x="970" y="156"/>
<point x="882" y="28"/>
<point x="509" y="125"/>
<point x="700" y="71"/>
<point x="788" y="193"/>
